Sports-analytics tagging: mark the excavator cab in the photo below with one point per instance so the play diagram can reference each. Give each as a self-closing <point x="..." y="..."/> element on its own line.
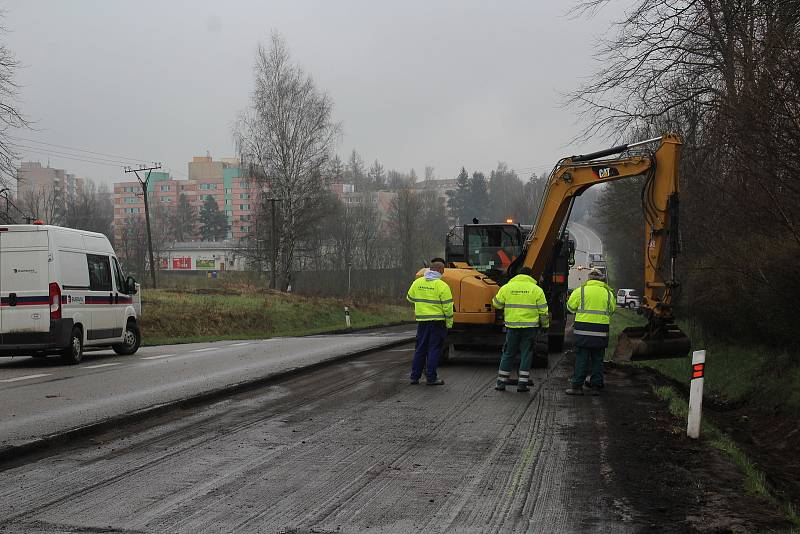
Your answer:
<point x="489" y="248"/>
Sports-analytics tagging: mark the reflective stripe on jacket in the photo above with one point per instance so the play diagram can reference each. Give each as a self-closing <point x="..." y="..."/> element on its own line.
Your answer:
<point x="432" y="300"/>
<point x="592" y="305"/>
<point x="523" y="303"/>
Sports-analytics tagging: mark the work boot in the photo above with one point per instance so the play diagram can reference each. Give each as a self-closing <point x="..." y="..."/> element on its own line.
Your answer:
<point x="414" y="381"/>
<point x="500" y="386"/>
<point x="574" y="390"/>
<point x="595" y="391"/>
<point x="522" y="387"/>
<point x="437" y="382"/>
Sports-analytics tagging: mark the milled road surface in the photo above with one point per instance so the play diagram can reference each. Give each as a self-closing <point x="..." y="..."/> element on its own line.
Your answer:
<point x="352" y="447"/>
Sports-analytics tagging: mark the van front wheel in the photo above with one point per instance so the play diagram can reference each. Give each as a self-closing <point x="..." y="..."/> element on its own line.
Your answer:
<point x="132" y="338"/>
<point x="73" y="353"/>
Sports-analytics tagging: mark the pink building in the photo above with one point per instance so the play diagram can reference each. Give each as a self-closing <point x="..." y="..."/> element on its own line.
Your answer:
<point x="221" y="180"/>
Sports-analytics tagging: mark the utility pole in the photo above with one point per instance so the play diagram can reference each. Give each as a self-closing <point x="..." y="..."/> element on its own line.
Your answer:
<point x="143" y="183"/>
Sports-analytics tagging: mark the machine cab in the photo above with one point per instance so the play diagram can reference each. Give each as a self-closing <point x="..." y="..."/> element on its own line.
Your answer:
<point x="488" y="248"/>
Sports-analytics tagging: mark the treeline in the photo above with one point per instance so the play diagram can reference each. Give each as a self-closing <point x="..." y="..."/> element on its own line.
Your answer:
<point x="725" y="75"/>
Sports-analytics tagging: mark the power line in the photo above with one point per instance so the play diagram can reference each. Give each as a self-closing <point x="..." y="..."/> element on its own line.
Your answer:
<point x="135" y="160"/>
<point x="46" y="153"/>
<point x="67" y="154"/>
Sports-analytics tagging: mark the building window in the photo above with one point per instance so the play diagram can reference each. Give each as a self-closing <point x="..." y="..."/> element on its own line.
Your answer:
<point x="244" y="217"/>
<point x="165" y="188"/>
<point x="208" y="186"/>
<point x="131" y="200"/>
<point x="229" y="213"/>
<point x="130" y="189"/>
<point x="228" y="191"/>
<point x="244" y="196"/>
<point x="244" y="228"/>
<point x="166" y="199"/>
<point x="244" y="207"/>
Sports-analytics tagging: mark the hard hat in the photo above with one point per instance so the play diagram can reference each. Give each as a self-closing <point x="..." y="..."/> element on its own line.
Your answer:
<point x="595" y="274"/>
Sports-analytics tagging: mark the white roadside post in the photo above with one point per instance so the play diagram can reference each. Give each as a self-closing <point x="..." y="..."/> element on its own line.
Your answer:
<point x="696" y="393"/>
<point x="347" y="316"/>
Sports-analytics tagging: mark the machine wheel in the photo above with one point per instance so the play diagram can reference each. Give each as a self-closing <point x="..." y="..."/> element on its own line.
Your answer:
<point x="631" y="305"/>
<point x="132" y="339"/>
<point x="73" y="353"/>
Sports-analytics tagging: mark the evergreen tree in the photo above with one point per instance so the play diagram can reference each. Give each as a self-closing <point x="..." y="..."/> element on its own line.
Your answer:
<point x="457" y="200"/>
<point x="213" y="223"/>
<point x="478" y="203"/>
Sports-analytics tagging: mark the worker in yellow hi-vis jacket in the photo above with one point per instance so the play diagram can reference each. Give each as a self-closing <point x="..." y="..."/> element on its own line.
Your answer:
<point x="525" y="311"/>
<point x="433" y="310"/>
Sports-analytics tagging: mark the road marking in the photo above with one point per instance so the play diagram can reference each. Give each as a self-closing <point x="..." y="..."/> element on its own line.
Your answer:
<point x="99" y="365"/>
<point x="157" y="357"/>
<point x="400" y="350"/>
<point x="239" y="344"/>
<point x="204" y="350"/>
<point x="28" y="377"/>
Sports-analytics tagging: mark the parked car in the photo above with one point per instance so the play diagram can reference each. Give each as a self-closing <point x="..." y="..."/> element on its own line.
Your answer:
<point x="628" y="298"/>
<point x="61" y="290"/>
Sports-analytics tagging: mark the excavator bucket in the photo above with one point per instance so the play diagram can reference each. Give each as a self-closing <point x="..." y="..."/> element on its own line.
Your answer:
<point x="644" y="343"/>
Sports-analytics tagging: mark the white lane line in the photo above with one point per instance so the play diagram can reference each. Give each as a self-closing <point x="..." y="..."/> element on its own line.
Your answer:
<point x="157" y="357"/>
<point x="27" y="377"/>
<point x="99" y="365"/>
<point x="400" y="350"/>
<point x="240" y="344"/>
<point x="204" y="350"/>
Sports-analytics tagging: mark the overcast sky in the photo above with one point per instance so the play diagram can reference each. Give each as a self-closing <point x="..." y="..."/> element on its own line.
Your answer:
<point x="415" y="83"/>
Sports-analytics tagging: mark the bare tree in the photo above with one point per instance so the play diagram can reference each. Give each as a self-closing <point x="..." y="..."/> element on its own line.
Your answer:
<point x="45" y="203"/>
<point x="10" y="115"/>
<point x="286" y="137"/>
<point x="91" y="208"/>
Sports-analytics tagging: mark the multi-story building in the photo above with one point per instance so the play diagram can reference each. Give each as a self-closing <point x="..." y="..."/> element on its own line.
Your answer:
<point x="35" y="179"/>
<point x="221" y="180"/>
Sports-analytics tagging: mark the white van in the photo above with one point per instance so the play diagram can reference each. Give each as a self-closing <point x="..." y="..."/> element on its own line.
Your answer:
<point x="62" y="290"/>
<point x="628" y="298"/>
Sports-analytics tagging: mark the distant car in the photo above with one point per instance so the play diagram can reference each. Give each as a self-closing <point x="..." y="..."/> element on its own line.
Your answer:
<point x="628" y="298"/>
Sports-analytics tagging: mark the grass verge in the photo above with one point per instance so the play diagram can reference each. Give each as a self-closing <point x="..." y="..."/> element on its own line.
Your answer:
<point x="251" y="313"/>
<point x="755" y="480"/>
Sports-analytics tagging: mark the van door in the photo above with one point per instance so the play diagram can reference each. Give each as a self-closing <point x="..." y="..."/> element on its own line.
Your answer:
<point x="24" y="287"/>
<point x="100" y="299"/>
<point x="121" y="298"/>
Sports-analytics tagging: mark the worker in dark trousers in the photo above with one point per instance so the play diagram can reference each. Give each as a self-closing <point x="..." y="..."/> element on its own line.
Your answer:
<point x="525" y="311"/>
<point x="433" y="310"/>
<point x="593" y="304"/>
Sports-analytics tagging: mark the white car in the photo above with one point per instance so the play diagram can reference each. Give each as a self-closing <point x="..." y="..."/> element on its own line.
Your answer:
<point x="62" y="289"/>
<point x="628" y="298"/>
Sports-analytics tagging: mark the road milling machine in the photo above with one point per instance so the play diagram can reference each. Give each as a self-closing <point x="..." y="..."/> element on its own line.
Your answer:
<point x="476" y="270"/>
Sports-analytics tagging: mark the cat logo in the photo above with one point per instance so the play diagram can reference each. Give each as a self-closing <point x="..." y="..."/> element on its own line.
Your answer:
<point x="604" y="173"/>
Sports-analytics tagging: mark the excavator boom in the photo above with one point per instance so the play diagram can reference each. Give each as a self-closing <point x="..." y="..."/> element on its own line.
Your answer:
<point x="660" y="199"/>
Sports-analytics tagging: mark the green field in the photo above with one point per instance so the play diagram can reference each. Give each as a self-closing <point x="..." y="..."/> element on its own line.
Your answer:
<point x="252" y="313"/>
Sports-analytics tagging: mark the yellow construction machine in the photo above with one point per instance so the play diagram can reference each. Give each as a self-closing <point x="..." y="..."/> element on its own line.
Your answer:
<point x="546" y="248"/>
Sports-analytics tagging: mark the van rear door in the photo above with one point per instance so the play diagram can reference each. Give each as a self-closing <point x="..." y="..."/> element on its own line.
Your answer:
<point x="24" y="286"/>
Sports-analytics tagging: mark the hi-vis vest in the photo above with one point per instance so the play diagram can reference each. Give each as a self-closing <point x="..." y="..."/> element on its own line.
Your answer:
<point x="432" y="299"/>
<point x="523" y="303"/>
<point x="592" y="305"/>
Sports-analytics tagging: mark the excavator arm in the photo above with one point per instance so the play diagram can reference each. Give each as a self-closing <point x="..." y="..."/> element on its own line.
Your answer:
<point x="570" y="178"/>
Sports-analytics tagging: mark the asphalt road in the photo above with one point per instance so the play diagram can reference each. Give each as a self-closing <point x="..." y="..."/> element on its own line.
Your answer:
<point x="44" y="397"/>
<point x="350" y="447"/>
<point x="586" y="240"/>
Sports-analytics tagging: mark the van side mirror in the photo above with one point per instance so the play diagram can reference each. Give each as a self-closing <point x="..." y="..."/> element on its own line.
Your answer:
<point x="130" y="285"/>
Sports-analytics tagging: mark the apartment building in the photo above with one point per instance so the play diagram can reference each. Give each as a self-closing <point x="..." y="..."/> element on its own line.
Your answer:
<point x="33" y="177"/>
<point x="221" y="180"/>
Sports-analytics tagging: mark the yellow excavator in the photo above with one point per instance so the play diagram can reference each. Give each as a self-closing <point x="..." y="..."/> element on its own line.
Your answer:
<point x="546" y="249"/>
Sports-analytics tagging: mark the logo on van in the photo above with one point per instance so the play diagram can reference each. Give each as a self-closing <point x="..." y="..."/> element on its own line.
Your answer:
<point x="24" y="270"/>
